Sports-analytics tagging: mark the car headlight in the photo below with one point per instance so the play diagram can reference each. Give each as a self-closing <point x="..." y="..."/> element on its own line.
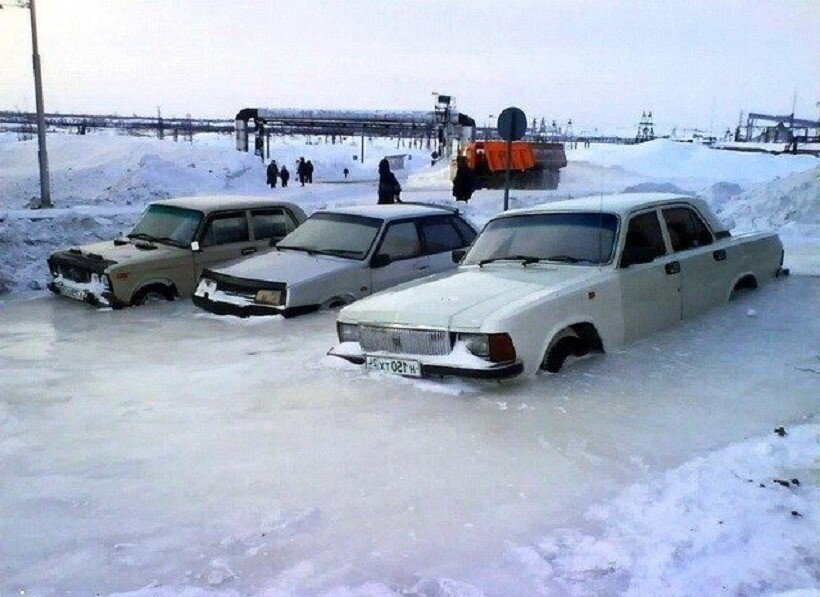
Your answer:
<point x="497" y="348"/>
<point x="347" y="332"/>
<point x="274" y="298"/>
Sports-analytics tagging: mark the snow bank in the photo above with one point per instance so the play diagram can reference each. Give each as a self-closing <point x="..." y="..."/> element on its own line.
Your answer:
<point x="740" y="521"/>
<point x="790" y="204"/>
<point x="669" y="161"/>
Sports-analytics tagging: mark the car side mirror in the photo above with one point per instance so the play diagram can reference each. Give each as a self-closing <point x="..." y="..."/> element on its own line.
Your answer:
<point x="380" y="260"/>
<point x="458" y="255"/>
<point x="637" y="255"/>
<point x="195" y="247"/>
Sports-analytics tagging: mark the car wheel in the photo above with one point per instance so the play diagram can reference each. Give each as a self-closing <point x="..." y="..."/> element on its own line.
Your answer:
<point x="565" y="345"/>
<point x="152" y="294"/>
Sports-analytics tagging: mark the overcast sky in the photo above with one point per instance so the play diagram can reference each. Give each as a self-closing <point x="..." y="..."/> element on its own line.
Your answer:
<point x="600" y="63"/>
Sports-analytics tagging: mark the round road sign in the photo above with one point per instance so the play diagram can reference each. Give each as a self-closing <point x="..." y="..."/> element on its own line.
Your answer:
<point x="512" y="124"/>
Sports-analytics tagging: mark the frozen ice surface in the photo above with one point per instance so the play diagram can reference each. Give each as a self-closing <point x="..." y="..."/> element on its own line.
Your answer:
<point x="148" y="447"/>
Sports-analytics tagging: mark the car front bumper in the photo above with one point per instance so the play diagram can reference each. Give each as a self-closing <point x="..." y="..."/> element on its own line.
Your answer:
<point x="249" y="309"/>
<point x="438" y="369"/>
<point x="78" y="293"/>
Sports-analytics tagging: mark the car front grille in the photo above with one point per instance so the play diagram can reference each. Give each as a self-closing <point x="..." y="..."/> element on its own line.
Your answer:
<point x="404" y="341"/>
<point x="76" y="267"/>
<point x="244" y="287"/>
<point x="236" y="289"/>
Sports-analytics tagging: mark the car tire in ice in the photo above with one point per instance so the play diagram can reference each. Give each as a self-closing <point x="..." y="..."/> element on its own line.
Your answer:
<point x="564" y="345"/>
<point x="152" y="294"/>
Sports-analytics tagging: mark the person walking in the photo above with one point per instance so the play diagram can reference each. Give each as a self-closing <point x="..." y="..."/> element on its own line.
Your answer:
<point x="273" y="174"/>
<point x="309" y="171"/>
<point x="464" y="182"/>
<point x="346" y="172"/>
<point x="284" y="175"/>
<point x="389" y="187"/>
<point x="301" y="171"/>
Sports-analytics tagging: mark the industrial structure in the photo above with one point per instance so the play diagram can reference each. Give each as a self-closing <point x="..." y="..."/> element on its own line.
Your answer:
<point x="439" y="127"/>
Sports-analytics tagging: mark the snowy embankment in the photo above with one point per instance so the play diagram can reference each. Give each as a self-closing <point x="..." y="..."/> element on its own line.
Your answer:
<point x="681" y="533"/>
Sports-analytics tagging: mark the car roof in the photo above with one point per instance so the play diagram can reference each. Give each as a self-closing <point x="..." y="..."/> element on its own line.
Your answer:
<point x="622" y="204"/>
<point x="392" y="211"/>
<point x="208" y="203"/>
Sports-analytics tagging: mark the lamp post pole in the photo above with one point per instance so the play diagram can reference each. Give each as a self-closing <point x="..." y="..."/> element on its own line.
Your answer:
<point x="45" y="186"/>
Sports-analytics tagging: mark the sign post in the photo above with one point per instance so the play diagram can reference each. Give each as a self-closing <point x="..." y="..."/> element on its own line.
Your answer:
<point x="512" y="124"/>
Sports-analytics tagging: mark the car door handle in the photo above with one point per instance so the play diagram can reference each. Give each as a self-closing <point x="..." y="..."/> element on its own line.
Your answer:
<point x="673" y="267"/>
<point x="248" y="250"/>
<point x="719" y="255"/>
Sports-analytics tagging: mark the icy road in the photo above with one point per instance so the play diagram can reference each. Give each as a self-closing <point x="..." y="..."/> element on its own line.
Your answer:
<point x="162" y="447"/>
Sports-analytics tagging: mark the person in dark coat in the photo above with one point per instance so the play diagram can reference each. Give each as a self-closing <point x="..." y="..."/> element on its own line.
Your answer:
<point x="284" y="175"/>
<point x="301" y="171"/>
<point x="309" y="172"/>
<point x="273" y="174"/>
<point x="346" y="172"/>
<point x="389" y="187"/>
<point x="464" y="182"/>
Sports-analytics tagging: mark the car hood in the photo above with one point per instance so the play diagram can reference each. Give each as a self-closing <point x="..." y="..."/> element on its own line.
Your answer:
<point x="131" y="252"/>
<point x="466" y="298"/>
<point x="291" y="267"/>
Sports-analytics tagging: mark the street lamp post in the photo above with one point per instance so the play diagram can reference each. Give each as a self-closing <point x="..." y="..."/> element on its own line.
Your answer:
<point x="45" y="187"/>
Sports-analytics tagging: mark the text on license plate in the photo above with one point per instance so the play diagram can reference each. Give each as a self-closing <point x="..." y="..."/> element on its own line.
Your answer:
<point x="74" y="293"/>
<point x="394" y="366"/>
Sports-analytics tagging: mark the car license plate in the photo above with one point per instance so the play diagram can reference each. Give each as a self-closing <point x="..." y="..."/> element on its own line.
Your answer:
<point x="74" y="293"/>
<point x="394" y="366"/>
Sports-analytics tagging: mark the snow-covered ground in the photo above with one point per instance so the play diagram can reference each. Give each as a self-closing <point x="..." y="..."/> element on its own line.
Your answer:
<point x="162" y="451"/>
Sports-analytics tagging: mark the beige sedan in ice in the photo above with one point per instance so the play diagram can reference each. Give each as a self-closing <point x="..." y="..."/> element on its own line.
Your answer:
<point x="173" y="241"/>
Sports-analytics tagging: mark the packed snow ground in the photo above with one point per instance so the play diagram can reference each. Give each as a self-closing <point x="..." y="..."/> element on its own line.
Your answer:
<point x="162" y="451"/>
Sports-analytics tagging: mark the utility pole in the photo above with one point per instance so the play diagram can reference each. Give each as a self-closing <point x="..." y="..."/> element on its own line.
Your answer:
<point x="45" y="186"/>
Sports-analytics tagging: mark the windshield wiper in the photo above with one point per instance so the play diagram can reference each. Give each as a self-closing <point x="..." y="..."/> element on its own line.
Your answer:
<point x="524" y="259"/>
<point x="142" y="236"/>
<point x="340" y="252"/>
<point x="292" y="248"/>
<point x="169" y="241"/>
<point x="568" y="259"/>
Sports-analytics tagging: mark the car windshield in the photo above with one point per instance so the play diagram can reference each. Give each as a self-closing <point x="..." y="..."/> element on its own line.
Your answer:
<point x="334" y="234"/>
<point x="167" y="224"/>
<point x="582" y="238"/>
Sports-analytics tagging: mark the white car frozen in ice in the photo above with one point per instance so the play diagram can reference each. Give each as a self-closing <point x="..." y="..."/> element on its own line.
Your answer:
<point x="562" y="279"/>
<point x="336" y="257"/>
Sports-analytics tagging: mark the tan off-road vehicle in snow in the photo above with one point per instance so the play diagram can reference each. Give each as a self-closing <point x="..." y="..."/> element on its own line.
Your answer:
<point x="162" y="257"/>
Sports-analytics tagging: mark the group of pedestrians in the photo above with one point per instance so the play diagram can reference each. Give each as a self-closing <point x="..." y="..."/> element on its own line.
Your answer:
<point x="275" y="173"/>
<point x="464" y="183"/>
<point x="304" y="170"/>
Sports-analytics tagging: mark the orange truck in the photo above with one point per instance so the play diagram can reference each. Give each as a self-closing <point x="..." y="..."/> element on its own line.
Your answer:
<point x="535" y="164"/>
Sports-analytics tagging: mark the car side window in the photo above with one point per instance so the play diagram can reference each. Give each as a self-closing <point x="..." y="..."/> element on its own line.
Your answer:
<point x="686" y="229"/>
<point x="271" y="223"/>
<point x="401" y="241"/>
<point x="440" y="235"/>
<point x="644" y="240"/>
<point x="224" y="229"/>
